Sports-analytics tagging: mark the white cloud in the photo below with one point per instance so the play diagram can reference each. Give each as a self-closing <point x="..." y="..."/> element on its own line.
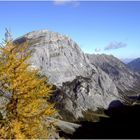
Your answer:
<point x="66" y="2"/>
<point x="115" y="45"/>
<point x="97" y="49"/>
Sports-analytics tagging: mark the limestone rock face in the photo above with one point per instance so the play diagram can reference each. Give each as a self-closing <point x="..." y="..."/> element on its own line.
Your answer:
<point x="82" y="85"/>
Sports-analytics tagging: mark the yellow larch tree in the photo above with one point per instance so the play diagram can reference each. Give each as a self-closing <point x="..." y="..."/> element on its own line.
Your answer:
<point x="27" y="93"/>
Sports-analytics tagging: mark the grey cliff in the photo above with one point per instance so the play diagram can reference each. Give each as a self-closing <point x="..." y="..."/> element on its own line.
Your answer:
<point x="82" y="86"/>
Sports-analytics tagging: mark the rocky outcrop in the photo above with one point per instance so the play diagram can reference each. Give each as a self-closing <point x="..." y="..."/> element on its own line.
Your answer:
<point x="67" y="127"/>
<point x="125" y="79"/>
<point x="81" y="86"/>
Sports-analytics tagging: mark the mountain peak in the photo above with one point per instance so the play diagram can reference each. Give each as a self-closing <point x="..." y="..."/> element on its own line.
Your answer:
<point x="81" y="86"/>
<point x="135" y="65"/>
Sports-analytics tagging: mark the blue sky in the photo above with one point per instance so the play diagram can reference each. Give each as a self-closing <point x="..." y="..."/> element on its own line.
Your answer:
<point x="98" y="27"/>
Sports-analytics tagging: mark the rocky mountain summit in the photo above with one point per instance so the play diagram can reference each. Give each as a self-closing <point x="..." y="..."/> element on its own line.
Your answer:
<point x="81" y="86"/>
<point x="135" y="65"/>
<point x="124" y="78"/>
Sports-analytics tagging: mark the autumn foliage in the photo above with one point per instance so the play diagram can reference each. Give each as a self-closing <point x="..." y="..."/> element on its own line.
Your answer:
<point x="27" y="93"/>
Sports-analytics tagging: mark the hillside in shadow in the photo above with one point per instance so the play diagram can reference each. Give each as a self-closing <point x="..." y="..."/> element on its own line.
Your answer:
<point x="123" y="122"/>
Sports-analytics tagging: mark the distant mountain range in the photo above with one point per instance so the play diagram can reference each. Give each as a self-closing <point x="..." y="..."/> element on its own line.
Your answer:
<point x="124" y="78"/>
<point x="127" y="60"/>
<point x="135" y="65"/>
